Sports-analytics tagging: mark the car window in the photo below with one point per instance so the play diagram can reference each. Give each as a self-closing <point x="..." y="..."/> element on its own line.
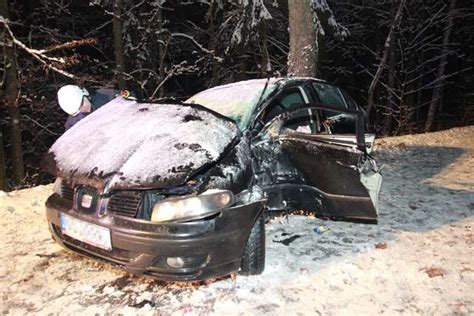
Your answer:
<point x="312" y="121"/>
<point x="292" y="99"/>
<point x="349" y="100"/>
<point x="283" y="102"/>
<point x="304" y="121"/>
<point x="330" y="95"/>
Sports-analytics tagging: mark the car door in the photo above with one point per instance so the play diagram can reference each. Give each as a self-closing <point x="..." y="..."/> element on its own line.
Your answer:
<point x="326" y="176"/>
<point x="279" y="178"/>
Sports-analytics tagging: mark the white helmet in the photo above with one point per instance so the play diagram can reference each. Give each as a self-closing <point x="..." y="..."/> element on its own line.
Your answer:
<point x="70" y="98"/>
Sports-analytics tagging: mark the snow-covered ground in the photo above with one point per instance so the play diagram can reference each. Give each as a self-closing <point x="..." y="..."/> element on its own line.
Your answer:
<point x="419" y="259"/>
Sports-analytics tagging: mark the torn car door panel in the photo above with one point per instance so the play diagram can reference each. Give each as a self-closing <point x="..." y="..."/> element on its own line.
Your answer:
<point x="322" y="169"/>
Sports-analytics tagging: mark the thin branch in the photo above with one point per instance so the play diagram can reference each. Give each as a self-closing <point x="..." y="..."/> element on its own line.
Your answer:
<point x="70" y="44"/>
<point x="37" y="54"/>
<point x="40" y="125"/>
<point x="383" y="61"/>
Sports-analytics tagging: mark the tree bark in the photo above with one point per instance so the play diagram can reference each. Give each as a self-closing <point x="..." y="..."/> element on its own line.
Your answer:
<point x="266" y="69"/>
<point x="11" y="88"/>
<point x="303" y="55"/>
<point x="391" y="77"/>
<point x="410" y="97"/>
<point x="383" y="61"/>
<point x="161" y="52"/>
<point x="438" y="90"/>
<point x="157" y="49"/>
<point x="3" y="173"/>
<point x="213" y="41"/>
<point x="118" y="43"/>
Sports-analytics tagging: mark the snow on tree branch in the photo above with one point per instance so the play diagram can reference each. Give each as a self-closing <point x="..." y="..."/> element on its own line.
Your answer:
<point x="37" y="54"/>
<point x="327" y="21"/>
<point x="253" y="14"/>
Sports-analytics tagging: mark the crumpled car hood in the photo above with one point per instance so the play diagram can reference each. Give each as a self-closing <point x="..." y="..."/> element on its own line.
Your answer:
<point x="126" y="144"/>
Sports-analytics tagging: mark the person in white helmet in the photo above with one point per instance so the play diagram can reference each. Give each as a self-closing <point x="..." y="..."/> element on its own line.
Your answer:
<point x="78" y="103"/>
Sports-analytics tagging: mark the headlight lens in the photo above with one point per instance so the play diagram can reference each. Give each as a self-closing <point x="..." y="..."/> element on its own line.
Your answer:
<point x="195" y="207"/>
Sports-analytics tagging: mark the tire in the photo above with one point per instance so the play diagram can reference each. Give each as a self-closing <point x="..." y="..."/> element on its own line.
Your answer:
<point x="253" y="258"/>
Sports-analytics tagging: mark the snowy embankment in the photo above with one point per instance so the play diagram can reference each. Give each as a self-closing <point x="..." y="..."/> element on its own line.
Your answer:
<point x="417" y="260"/>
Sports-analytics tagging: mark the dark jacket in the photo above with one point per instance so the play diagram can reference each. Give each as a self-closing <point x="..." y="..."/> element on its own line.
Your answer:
<point x="98" y="98"/>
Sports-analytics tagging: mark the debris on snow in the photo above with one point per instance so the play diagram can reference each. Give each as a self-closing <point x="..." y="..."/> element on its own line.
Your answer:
<point x="433" y="272"/>
<point x="287" y="241"/>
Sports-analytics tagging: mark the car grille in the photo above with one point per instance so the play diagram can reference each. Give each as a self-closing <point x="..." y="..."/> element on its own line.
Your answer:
<point x="125" y="203"/>
<point x="67" y="191"/>
<point x="122" y="203"/>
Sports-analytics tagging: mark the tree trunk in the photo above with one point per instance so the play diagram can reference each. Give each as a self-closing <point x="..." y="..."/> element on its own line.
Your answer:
<point x="162" y="53"/>
<point x="213" y="41"/>
<point x="266" y="69"/>
<point x="11" y="89"/>
<point x="391" y="77"/>
<point x="118" y="43"/>
<point x="438" y="90"/>
<point x="3" y="173"/>
<point x="157" y="49"/>
<point x="303" y="55"/>
<point x="410" y="97"/>
<point x="383" y="61"/>
<point x="17" y="151"/>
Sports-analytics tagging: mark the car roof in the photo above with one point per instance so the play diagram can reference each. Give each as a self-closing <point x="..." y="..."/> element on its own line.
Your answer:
<point x="288" y="79"/>
<point x="273" y="80"/>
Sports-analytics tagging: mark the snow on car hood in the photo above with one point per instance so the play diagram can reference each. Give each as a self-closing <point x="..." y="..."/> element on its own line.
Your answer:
<point x="129" y="145"/>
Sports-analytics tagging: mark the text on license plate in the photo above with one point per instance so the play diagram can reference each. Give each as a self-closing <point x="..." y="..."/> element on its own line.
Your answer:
<point x="88" y="233"/>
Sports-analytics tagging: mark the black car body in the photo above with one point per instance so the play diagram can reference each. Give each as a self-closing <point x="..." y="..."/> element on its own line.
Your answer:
<point x="179" y="192"/>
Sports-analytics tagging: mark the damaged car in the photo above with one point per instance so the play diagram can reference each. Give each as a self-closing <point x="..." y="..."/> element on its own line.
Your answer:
<point x="180" y="191"/>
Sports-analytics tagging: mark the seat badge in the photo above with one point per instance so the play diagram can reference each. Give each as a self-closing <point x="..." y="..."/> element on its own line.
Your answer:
<point x="86" y="201"/>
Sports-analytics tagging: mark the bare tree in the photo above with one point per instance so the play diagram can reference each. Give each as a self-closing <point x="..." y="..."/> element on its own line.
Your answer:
<point x="383" y="60"/>
<point x="11" y="88"/>
<point x="391" y="76"/>
<point x="118" y="43"/>
<point x="3" y="170"/>
<point x="438" y="90"/>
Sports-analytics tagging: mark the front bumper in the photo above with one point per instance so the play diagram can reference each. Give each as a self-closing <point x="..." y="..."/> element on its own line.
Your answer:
<point x="209" y="247"/>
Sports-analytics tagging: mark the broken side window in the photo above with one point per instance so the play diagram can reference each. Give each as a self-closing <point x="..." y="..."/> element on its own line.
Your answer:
<point x="349" y="100"/>
<point x="306" y="121"/>
<point x="285" y="101"/>
<point x="330" y="95"/>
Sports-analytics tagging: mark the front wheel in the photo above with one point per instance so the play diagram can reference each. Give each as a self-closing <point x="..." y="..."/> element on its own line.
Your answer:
<point x="253" y="259"/>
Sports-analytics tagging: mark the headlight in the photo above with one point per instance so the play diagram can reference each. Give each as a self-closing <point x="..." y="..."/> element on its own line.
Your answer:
<point x="194" y="207"/>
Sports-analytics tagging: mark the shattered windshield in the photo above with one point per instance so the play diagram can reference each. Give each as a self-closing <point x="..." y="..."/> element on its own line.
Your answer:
<point x="235" y="100"/>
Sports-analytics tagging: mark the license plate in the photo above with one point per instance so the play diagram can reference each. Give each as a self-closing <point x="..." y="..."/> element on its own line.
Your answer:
<point x="88" y="233"/>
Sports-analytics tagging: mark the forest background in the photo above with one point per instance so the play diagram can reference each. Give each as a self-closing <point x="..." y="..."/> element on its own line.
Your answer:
<point x="409" y="63"/>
